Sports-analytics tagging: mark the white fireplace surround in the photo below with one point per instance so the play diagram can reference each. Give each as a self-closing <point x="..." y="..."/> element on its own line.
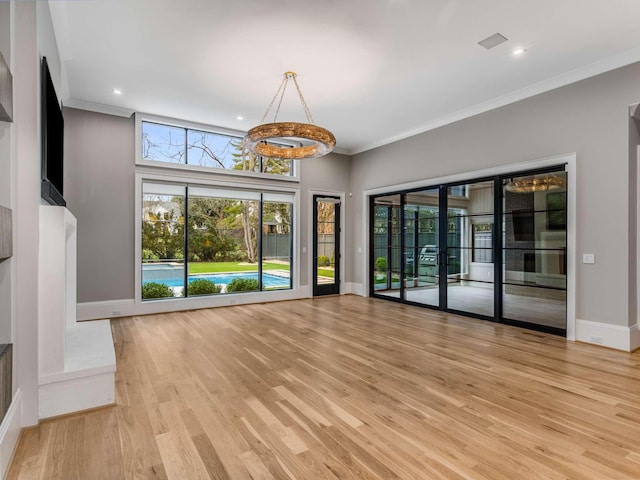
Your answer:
<point x="76" y="360"/>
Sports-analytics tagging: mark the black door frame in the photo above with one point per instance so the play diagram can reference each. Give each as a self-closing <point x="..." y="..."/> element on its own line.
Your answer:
<point x="442" y="254"/>
<point x="330" y="288"/>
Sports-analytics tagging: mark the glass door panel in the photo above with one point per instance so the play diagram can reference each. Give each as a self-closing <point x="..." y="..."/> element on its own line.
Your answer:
<point x="469" y="258"/>
<point x="386" y="256"/>
<point x="535" y="249"/>
<point x="421" y="224"/>
<point x="326" y="245"/>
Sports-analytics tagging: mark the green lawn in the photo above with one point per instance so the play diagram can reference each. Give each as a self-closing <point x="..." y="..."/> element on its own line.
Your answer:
<point x="225" y="267"/>
<point x="325" y="272"/>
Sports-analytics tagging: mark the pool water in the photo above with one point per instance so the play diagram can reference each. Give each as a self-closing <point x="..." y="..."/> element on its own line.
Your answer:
<point x="268" y="280"/>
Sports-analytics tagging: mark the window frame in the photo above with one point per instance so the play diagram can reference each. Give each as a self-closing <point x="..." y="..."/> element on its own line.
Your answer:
<point x="181" y="303"/>
<point x="172" y="122"/>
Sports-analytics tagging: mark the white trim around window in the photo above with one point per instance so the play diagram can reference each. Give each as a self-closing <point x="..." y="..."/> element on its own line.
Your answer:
<point x="188" y="303"/>
<point x="176" y="167"/>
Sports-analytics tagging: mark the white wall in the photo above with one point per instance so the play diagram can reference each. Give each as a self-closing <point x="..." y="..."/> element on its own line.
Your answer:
<point x="6" y="182"/>
<point x="26" y="35"/>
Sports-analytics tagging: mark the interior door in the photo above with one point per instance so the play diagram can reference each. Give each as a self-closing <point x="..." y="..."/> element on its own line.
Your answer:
<point x="326" y="245"/>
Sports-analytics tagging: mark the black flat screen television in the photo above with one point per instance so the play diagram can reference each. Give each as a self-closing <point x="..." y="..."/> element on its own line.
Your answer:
<point x="52" y="140"/>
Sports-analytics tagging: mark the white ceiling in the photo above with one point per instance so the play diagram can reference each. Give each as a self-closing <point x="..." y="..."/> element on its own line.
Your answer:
<point x="372" y="71"/>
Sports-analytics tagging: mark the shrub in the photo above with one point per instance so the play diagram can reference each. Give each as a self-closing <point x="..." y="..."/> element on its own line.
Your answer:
<point x="242" y="285"/>
<point x="156" y="290"/>
<point x="202" y="286"/>
<point x="149" y="255"/>
<point x="323" y="261"/>
<point x="381" y="264"/>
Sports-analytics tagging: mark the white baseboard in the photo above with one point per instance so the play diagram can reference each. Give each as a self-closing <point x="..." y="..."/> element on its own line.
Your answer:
<point x="607" y="335"/>
<point x="354" y="288"/>
<point x="106" y="309"/>
<point x="635" y="337"/>
<point x="10" y="432"/>
<point x="128" y="307"/>
<point x="76" y="394"/>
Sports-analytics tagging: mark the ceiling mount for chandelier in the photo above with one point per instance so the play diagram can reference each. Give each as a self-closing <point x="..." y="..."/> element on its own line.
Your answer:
<point x="270" y="139"/>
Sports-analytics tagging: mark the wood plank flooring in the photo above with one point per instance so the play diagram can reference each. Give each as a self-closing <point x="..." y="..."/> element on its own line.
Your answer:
<point x="347" y="388"/>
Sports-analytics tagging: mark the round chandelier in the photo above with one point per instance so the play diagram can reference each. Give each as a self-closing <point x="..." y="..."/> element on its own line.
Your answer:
<point x="273" y="139"/>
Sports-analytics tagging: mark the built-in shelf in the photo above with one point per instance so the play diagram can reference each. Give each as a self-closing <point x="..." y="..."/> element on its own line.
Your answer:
<point x="6" y="92"/>
<point x="6" y="234"/>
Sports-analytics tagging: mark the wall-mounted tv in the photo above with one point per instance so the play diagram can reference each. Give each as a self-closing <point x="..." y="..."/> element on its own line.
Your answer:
<point x="52" y="140"/>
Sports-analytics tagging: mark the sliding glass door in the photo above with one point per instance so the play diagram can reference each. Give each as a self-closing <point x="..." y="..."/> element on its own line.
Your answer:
<point x="469" y="254"/>
<point x="494" y="248"/>
<point x="535" y="249"/>
<point x="421" y="245"/>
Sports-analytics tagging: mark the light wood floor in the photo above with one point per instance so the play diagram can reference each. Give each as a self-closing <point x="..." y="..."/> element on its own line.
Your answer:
<point x="347" y="388"/>
<point x="479" y="300"/>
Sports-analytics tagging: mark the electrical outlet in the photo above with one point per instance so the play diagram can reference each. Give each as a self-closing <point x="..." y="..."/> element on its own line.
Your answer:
<point x="597" y="340"/>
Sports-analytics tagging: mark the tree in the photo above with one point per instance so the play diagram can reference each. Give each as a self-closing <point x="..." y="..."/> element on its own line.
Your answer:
<point x="163" y="234"/>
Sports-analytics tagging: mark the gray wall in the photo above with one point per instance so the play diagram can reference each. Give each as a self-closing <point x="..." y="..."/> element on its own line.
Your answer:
<point x="100" y="189"/>
<point x="590" y="118"/>
<point x="5" y="182"/>
<point x="330" y="173"/>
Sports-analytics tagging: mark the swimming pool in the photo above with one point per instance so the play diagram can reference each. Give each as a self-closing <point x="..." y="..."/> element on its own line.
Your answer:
<point x="268" y="280"/>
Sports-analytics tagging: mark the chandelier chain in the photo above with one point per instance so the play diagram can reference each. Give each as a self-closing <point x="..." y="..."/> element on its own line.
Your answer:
<point x="284" y="81"/>
<point x="305" y="107"/>
<point x="284" y="89"/>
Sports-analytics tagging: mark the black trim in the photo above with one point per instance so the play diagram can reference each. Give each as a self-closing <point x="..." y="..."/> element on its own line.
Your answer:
<point x="185" y="258"/>
<point x="332" y="288"/>
<point x="442" y="254"/>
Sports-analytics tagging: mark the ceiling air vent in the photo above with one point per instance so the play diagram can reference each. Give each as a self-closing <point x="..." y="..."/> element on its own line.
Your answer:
<point x="492" y="41"/>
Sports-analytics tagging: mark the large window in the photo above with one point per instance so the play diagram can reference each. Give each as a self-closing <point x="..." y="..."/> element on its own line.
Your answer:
<point x="200" y="240"/>
<point x="177" y="145"/>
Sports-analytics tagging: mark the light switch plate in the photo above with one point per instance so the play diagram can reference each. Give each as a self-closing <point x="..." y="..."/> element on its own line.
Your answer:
<point x="588" y="258"/>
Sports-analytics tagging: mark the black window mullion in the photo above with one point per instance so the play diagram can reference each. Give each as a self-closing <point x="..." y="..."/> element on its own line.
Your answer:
<point x="403" y="232"/>
<point x="443" y="252"/>
<point x="185" y="248"/>
<point x="259" y="241"/>
<point x="497" y="233"/>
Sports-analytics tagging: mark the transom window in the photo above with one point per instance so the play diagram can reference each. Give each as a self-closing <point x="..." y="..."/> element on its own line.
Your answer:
<point x="182" y="145"/>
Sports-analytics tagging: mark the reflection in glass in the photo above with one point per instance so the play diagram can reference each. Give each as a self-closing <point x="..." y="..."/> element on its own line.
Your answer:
<point x="421" y="247"/>
<point x="535" y="243"/>
<point x="470" y="271"/>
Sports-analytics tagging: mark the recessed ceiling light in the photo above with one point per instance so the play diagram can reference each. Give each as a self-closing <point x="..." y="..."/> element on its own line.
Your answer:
<point x="518" y="51"/>
<point x="117" y="91"/>
<point x="239" y="117"/>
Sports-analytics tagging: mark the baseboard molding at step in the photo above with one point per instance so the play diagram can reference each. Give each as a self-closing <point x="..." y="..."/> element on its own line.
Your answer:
<point x="10" y="432"/>
<point x="607" y="335"/>
<point x="76" y="394"/>
<point x="354" y="288"/>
